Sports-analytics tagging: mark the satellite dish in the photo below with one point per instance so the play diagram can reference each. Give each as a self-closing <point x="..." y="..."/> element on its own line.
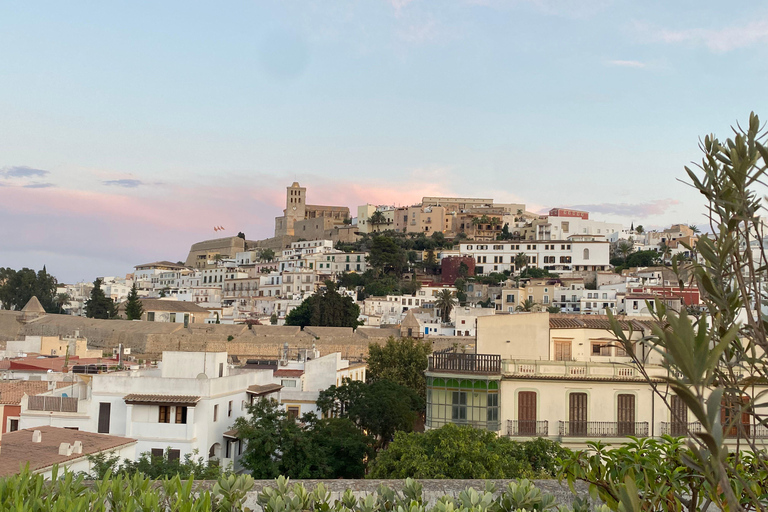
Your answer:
<point x="202" y="376"/>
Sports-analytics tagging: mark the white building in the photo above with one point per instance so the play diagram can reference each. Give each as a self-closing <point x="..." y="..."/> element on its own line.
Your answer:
<point x="186" y="404"/>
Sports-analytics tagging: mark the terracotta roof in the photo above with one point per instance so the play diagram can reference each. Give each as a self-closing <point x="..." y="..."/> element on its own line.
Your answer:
<point x="264" y="390"/>
<point x="18" y="448"/>
<point x="11" y="392"/>
<point x="561" y="321"/>
<point x="55" y="364"/>
<point x="288" y="373"/>
<point x="33" y="306"/>
<point x="135" y="398"/>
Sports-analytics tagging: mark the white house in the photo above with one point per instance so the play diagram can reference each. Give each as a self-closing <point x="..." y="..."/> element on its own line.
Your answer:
<point x="186" y="404"/>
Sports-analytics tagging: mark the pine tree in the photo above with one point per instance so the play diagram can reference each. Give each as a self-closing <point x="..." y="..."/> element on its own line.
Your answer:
<point x="133" y="308"/>
<point x="99" y="305"/>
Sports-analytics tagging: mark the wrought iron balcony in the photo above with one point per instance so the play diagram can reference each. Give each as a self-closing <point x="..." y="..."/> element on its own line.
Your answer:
<point x="678" y="429"/>
<point x="527" y="428"/>
<point x="465" y="363"/>
<point x="603" y="428"/>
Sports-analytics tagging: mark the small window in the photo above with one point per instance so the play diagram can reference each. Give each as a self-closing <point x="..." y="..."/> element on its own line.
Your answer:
<point x="14" y="426"/>
<point x="151" y="316"/>
<point x="157" y="453"/>
<point x="293" y="412"/>
<point x="216" y="412"/>
<point x="229" y="411"/>
<point x="288" y="383"/>
<point x="174" y="454"/>
<point x="221" y="369"/>
<point x="164" y="414"/>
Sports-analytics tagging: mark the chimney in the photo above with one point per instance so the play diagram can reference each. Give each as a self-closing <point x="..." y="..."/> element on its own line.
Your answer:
<point x="77" y="447"/>
<point x="37" y="436"/>
<point x="65" y="449"/>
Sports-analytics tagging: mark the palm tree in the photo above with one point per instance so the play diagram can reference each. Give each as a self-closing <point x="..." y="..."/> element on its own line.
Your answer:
<point x="666" y="251"/>
<point x="521" y="260"/>
<point x="528" y="305"/>
<point x="377" y="219"/>
<point x="625" y="249"/>
<point x="218" y="258"/>
<point x="62" y="299"/>
<point x="694" y="228"/>
<point x="445" y="302"/>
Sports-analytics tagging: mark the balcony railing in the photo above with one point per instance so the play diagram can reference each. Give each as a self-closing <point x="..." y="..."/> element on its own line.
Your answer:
<point x="527" y="428"/>
<point x="678" y="429"/>
<point x="603" y="428"/>
<point x="470" y="363"/>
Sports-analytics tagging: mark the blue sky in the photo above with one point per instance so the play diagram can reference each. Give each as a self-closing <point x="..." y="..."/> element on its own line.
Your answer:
<point x="129" y="129"/>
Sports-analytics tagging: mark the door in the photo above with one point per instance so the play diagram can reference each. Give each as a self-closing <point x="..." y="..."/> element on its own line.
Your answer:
<point x="679" y="423"/>
<point x="577" y="414"/>
<point x="105" y="408"/>
<point x="731" y="408"/>
<point x="562" y="350"/>
<point x="526" y="413"/>
<point x="626" y="415"/>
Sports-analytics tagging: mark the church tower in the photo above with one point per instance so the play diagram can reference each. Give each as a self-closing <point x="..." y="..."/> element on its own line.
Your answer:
<point x="295" y="206"/>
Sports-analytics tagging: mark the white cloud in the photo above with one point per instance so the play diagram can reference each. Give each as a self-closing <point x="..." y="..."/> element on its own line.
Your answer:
<point x="719" y="41"/>
<point x="626" y="63"/>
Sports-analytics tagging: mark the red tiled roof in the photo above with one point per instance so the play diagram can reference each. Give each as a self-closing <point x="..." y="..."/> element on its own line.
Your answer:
<point x="564" y="321"/>
<point x="288" y="373"/>
<point x="11" y="392"/>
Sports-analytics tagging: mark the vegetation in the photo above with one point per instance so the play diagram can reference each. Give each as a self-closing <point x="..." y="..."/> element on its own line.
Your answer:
<point x="67" y="492"/>
<point x="326" y="308"/>
<point x="314" y="448"/>
<point x="445" y="302"/>
<point x="380" y="408"/>
<point x="191" y="466"/>
<point x="133" y="307"/>
<point x="402" y="361"/>
<point x="647" y="258"/>
<point x="713" y="359"/>
<point x="266" y="255"/>
<point x="373" y="283"/>
<point x="62" y="299"/>
<point x="17" y="287"/>
<point x="537" y="273"/>
<point x="460" y="452"/>
<point x="99" y="305"/>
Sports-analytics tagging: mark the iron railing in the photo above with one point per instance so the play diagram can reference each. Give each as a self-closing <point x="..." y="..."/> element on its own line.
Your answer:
<point x="527" y="428"/>
<point x="603" y="428"/>
<point x="678" y="429"/>
<point x="471" y="363"/>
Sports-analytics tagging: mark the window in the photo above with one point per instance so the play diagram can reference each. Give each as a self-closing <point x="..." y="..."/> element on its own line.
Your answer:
<point x="14" y="426"/>
<point x="626" y="415"/>
<point x="510" y="298"/>
<point x="492" y="414"/>
<point x="105" y="409"/>
<point x="293" y="411"/>
<point x="216" y="412"/>
<point x="562" y="350"/>
<point x="577" y="414"/>
<point x="221" y="369"/>
<point x="459" y="405"/>
<point x="229" y="411"/>
<point x="181" y="414"/>
<point x="174" y="454"/>
<point x="157" y="453"/>
<point x="151" y="316"/>
<point x="172" y="318"/>
<point x="679" y="417"/>
<point x="164" y="415"/>
<point x="288" y="383"/>
<point x="526" y="412"/>
<point x="586" y="254"/>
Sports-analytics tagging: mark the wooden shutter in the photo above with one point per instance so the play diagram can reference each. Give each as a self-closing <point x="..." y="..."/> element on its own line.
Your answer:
<point x="562" y="350"/>
<point x="526" y="412"/>
<point x="626" y="415"/>
<point x="157" y="452"/>
<point x="105" y="408"/>
<point x="577" y="414"/>
<point x="732" y="406"/>
<point x="679" y="416"/>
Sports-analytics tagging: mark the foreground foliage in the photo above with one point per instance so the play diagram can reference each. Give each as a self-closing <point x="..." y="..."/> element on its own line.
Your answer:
<point x="66" y="492"/>
<point x="462" y="452"/>
<point x="191" y="466"/>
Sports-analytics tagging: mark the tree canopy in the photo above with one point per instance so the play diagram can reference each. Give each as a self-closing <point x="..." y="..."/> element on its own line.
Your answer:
<point x="402" y="361"/>
<point x="17" y="287"/>
<point x="133" y="308"/>
<point x="464" y="452"/>
<point x="314" y="448"/>
<point x="325" y="308"/>
<point x="99" y="305"/>
<point x="380" y="408"/>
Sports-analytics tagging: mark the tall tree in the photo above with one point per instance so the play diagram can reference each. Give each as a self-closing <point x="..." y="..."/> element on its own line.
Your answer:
<point x="386" y="256"/>
<point x="402" y="361"/>
<point x="267" y="255"/>
<point x="62" y="299"/>
<point x="521" y="261"/>
<point x="326" y="308"/>
<point x="445" y="302"/>
<point x="133" y="308"/>
<point x="18" y="287"/>
<point x="99" y="305"/>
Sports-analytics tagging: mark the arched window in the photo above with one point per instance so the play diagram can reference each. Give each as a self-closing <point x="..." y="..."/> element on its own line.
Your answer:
<point x="586" y="254"/>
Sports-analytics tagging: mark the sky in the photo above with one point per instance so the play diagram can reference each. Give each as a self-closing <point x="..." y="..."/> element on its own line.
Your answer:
<point x="128" y="130"/>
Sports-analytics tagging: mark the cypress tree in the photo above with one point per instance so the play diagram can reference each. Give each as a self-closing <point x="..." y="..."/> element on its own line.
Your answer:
<point x="133" y="308"/>
<point x="99" y="305"/>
